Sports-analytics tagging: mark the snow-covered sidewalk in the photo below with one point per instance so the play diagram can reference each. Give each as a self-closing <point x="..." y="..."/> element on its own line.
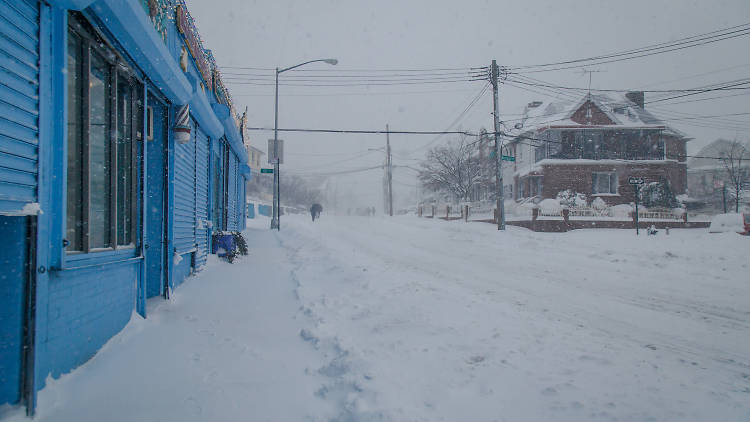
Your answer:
<point x="227" y="347"/>
<point x="408" y="319"/>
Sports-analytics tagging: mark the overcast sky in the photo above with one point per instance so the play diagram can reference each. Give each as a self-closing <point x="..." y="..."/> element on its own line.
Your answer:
<point x="384" y="34"/>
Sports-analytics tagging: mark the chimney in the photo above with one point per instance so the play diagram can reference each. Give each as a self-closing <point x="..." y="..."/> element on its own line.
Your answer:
<point x="636" y="97"/>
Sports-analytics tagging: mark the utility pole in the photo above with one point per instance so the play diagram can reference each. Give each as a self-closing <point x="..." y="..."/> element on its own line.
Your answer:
<point x="389" y="164"/>
<point x="498" y="158"/>
<point x="276" y="180"/>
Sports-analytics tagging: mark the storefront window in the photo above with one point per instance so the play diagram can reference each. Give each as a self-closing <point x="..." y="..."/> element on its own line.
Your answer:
<point x="102" y="158"/>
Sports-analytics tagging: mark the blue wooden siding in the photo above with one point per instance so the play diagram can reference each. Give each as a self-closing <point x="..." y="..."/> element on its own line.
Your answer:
<point x="232" y="219"/>
<point x="201" y="198"/>
<point x="184" y="196"/>
<point x="19" y="103"/>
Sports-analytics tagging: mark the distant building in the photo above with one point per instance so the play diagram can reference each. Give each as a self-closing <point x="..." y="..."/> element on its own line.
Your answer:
<point x="255" y="158"/>
<point x="592" y="146"/>
<point x="708" y="176"/>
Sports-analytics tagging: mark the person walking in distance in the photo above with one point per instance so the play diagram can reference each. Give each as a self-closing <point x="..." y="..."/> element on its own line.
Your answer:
<point x="315" y="211"/>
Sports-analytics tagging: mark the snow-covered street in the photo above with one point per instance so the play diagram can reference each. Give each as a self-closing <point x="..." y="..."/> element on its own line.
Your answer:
<point x="408" y="319"/>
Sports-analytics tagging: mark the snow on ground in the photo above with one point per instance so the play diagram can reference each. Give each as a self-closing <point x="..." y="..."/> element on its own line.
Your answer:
<point x="454" y="321"/>
<point x="408" y="319"/>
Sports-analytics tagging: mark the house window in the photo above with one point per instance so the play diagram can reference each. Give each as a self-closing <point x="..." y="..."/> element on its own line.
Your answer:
<point x="104" y="107"/>
<point x="604" y="183"/>
<point x="535" y="185"/>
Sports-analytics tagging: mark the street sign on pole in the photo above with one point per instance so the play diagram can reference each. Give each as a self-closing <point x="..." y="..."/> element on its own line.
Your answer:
<point x="636" y="180"/>
<point x="272" y="156"/>
<point x="266" y="171"/>
<point x="508" y="158"/>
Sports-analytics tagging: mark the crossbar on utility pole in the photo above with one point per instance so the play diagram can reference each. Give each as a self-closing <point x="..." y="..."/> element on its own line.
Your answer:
<point x="498" y="158"/>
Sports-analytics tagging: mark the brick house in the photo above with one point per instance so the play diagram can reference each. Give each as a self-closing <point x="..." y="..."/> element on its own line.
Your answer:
<point x="593" y="146"/>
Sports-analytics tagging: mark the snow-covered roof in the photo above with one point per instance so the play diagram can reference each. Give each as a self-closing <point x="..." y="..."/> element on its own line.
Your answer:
<point x="541" y="115"/>
<point x="717" y="148"/>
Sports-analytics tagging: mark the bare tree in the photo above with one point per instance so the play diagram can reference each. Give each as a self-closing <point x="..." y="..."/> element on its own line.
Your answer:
<point x="732" y="158"/>
<point x="296" y="191"/>
<point x="454" y="168"/>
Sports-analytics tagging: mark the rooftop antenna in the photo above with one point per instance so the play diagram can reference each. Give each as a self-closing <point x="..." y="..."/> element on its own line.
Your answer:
<point x="590" y="72"/>
<point x="588" y="107"/>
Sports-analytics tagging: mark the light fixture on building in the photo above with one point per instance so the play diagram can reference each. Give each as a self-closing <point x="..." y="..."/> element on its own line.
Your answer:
<point x="182" y="125"/>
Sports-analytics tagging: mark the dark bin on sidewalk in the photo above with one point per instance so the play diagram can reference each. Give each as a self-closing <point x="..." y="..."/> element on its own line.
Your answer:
<point x="223" y="244"/>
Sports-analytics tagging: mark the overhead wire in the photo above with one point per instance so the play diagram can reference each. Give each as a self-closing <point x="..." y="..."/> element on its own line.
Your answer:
<point x="649" y="50"/>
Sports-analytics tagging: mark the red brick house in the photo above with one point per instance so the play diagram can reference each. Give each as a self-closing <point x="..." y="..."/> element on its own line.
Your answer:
<point x="593" y="146"/>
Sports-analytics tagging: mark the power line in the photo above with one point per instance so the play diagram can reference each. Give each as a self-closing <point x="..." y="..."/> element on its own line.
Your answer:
<point x="649" y="50"/>
<point x="358" y="80"/>
<point x="359" y="155"/>
<point x="271" y="76"/>
<point x="367" y="93"/>
<point x="333" y="173"/>
<point x="455" y="121"/>
<point x="708" y="98"/>
<point x="368" y="132"/>
<point x="369" y="70"/>
<point x="364" y="83"/>
<point x="746" y="81"/>
<point x="625" y="90"/>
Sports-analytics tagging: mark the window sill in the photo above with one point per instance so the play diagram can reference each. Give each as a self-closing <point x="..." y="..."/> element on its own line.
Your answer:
<point x="104" y="256"/>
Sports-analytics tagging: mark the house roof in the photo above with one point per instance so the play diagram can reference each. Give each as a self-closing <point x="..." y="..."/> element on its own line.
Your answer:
<point x="717" y="148"/>
<point x="257" y="150"/>
<point x="617" y="107"/>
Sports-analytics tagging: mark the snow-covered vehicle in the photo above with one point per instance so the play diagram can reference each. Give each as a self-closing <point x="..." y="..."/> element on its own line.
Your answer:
<point x="732" y="222"/>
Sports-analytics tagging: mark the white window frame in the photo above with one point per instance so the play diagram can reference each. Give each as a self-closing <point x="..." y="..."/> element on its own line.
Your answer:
<point x="613" y="182"/>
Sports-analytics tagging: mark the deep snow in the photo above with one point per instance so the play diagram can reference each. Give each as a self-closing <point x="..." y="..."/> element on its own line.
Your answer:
<point x="408" y="319"/>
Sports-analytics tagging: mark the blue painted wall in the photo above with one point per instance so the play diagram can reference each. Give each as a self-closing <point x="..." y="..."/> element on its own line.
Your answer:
<point x="83" y="300"/>
<point x="156" y="209"/>
<point x="12" y="294"/>
<point x="86" y="308"/>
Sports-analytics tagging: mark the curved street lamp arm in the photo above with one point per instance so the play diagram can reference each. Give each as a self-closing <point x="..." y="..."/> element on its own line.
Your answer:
<point x="329" y="61"/>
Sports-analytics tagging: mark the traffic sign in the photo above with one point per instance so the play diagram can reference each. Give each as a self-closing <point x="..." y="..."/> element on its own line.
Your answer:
<point x="636" y="180"/>
<point x="508" y="158"/>
<point x="266" y="171"/>
<point x="271" y="156"/>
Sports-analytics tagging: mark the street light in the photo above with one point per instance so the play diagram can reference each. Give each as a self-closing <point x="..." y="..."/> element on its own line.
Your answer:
<point x="275" y="221"/>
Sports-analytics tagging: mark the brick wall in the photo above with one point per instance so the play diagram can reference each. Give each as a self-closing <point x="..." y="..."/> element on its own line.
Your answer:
<point x="676" y="148"/>
<point x="559" y="177"/>
<point x="597" y="116"/>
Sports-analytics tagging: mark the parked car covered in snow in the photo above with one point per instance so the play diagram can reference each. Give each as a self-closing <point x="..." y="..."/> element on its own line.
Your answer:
<point x="723" y="223"/>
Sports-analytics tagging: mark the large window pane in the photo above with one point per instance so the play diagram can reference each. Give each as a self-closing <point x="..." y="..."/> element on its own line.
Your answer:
<point x="74" y="223"/>
<point x="99" y="153"/>
<point x="124" y="162"/>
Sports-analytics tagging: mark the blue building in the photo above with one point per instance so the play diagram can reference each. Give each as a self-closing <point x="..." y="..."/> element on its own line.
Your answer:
<point x="120" y="153"/>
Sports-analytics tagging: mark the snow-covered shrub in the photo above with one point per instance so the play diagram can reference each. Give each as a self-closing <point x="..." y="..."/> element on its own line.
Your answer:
<point x="658" y="195"/>
<point x="599" y="204"/>
<point x="570" y="198"/>
<point x="621" y="211"/>
<point x="550" y="206"/>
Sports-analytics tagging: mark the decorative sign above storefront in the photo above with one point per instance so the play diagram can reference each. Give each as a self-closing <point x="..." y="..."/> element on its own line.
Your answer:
<point x="187" y="28"/>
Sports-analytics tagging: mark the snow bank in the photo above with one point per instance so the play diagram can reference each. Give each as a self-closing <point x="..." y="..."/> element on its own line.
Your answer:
<point x="724" y="223"/>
